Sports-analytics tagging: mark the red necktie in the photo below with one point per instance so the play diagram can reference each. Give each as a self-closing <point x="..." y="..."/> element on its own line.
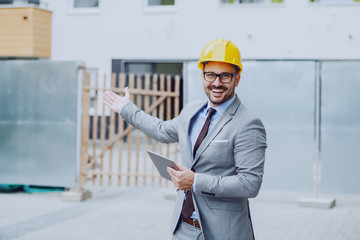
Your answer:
<point x="188" y="206"/>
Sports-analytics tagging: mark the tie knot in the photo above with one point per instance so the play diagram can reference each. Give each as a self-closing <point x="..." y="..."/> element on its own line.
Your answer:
<point x="211" y="112"/>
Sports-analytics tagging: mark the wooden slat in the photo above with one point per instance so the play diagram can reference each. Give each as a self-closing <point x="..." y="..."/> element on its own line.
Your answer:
<point x="152" y="104"/>
<point x="146" y="107"/>
<point x="128" y="129"/>
<point x="95" y="125"/>
<point x="138" y="103"/>
<point x="122" y="79"/>
<point x="129" y="136"/>
<point x="161" y="113"/>
<point x="42" y="33"/>
<point x="154" y="114"/>
<point x="111" y="131"/>
<point x="85" y="122"/>
<point x="98" y="172"/>
<point x="102" y="134"/>
<point x="168" y="107"/>
<point x="138" y="91"/>
<point x="168" y="113"/>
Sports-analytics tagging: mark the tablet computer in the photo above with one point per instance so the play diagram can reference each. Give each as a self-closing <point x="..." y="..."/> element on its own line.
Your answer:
<point x="161" y="163"/>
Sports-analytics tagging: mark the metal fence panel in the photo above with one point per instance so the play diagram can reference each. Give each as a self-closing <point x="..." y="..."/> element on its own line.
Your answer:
<point x="340" y="126"/>
<point x="38" y="117"/>
<point x="282" y="94"/>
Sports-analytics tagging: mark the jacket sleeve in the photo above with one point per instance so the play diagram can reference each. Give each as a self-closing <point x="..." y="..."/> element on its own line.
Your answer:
<point x="162" y="131"/>
<point x="249" y="157"/>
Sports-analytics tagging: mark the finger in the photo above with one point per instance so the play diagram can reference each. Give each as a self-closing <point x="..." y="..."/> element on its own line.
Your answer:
<point x="106" y="98"/>
<point x="113" y="95"/>
<point x="127" y="93"/>
<point x="174" y="173"/>
<point x="108" y="94"/>
<point x="106" y="103"/>
<point x="179" y="167"/>
<point x="171" y="171"/>
<point x="172" y="179"/>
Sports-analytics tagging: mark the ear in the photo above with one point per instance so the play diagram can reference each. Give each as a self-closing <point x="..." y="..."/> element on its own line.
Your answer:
<point x="237" y="79"/>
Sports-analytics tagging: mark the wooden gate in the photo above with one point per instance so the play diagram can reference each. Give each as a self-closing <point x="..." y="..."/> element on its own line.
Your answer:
<point x="112" y="151"/>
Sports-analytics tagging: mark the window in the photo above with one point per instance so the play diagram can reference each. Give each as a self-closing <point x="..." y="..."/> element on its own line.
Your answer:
<point x="154" y="67"/>
<point x="143" y="67"/>
<point x="160" y="5"/>
<point x="334" y="1"/>
<point x="251" y="1"/>
<point x="161" y="2"/>
<point x="84" y="6"/>
<point x="35" y="2"/>
<point x="6" y="1"/>
<point x="86" y="3"/>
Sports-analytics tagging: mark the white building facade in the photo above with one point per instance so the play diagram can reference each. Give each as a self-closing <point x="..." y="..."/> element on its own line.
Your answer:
<point x="296" y="29"/>
<point x="301" y="70"/>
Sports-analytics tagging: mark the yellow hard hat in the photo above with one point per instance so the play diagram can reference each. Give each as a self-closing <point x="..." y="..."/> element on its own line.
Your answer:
<point x="220" y="50"/>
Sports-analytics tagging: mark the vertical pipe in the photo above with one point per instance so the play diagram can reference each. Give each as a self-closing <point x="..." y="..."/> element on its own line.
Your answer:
<point x="317" y="159"/>
<point x="177" y="108"/>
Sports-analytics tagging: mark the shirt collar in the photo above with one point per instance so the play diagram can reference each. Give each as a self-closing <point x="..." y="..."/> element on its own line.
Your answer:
<point x="221" y="108"/>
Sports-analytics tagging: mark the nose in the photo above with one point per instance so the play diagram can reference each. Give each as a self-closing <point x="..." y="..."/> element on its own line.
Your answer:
<point x="217" y="81"/>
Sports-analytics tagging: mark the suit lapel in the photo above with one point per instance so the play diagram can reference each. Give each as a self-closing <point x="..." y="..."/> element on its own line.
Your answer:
<point x="188" y="159"/>
<point x="226" y="117"/>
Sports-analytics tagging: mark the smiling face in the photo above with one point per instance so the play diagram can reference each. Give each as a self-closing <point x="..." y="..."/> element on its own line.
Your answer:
<point x="216" y="91"/>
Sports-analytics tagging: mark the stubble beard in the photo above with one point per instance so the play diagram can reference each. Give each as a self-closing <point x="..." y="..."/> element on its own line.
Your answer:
<point x="225" y="96"/>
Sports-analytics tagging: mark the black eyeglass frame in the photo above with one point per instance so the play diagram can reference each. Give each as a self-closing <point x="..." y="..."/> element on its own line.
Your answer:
<point x="219" y="75"/>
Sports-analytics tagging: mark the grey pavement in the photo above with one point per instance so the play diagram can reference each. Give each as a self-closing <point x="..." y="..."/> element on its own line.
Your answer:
<point x="144" y="213"/>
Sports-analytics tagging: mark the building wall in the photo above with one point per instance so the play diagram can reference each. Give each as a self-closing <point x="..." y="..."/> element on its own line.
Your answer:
<point x="296" y="32"/>
<point x="296" y="29"/>
<point x="311" y="144"/>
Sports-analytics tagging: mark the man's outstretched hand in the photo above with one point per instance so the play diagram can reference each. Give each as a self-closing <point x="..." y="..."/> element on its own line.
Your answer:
<point x="114" y="101"/>
<point x="183" y="178"/>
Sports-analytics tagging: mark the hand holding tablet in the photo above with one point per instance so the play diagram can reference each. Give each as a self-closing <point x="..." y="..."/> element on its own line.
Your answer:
<point x="161" y="163"/>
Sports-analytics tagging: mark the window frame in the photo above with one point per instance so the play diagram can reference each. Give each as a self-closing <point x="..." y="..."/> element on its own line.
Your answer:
<point x="79" y="11"/>
<point x="266" y="3"/>
<point x="335" y="3"/>
<point x="160" y="8"/>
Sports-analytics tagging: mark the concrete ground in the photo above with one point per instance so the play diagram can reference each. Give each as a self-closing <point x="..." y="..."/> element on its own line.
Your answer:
<point x="144" y="213"/>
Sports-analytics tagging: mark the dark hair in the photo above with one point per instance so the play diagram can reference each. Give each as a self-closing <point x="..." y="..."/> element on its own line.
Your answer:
<point x="237" y="68"/>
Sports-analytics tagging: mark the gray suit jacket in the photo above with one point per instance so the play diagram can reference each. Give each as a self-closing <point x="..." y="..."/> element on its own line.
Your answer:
<point x="229" y="165"/>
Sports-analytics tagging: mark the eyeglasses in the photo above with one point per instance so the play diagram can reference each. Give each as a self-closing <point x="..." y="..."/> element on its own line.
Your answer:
<point x="224" y="77"/>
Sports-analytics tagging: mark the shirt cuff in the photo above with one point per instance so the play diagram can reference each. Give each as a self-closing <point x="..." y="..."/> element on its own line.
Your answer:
<point x="123" y="106"/>
<point x="194" y="183"/>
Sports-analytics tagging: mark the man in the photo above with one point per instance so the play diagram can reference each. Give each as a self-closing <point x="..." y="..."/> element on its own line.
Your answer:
<point x="222" y="148"/>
